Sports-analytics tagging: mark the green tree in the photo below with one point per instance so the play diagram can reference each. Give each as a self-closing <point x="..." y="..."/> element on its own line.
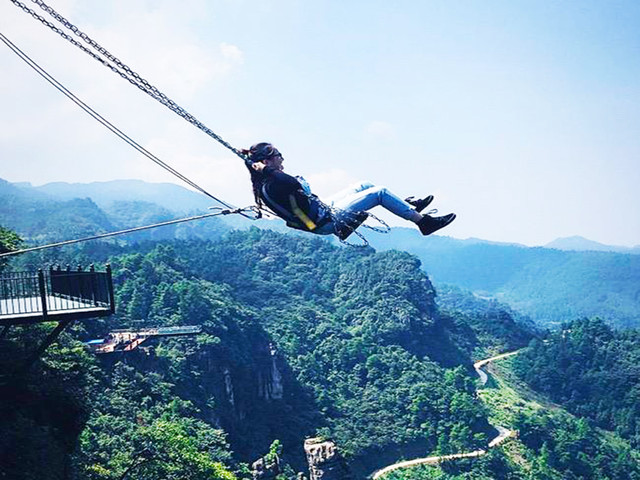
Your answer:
<point x="9" y="242"/>
<point x="275" y="450"/>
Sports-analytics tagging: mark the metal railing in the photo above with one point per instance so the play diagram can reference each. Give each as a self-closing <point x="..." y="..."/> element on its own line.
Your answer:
<point x="19" y="293"/>
<point x="55" y="290"/>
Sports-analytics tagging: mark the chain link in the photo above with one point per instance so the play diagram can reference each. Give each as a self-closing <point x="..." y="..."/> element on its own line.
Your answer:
<point x="384" y="228"/>
<point x="337" y="215"/>
<point x="365" y="242"/>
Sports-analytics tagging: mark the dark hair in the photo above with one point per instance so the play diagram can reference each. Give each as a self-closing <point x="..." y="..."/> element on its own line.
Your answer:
<point x="261" y="152"/>
<point x="258" y="153"/>
<point x="257" y="180"/>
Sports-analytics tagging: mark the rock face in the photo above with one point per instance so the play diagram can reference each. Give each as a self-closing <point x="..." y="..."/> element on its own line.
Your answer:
<point x="270" y="381"/>
<point x="228" y="385"/>
<point x="325" y="462"/>
<point x="263" y="469"/>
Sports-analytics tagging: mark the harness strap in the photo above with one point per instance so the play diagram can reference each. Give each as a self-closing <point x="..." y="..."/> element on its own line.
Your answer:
<point x="297" y="211"/>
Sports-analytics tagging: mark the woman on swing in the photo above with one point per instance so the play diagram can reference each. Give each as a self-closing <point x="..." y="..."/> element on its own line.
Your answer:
<point x="291" y="199"/>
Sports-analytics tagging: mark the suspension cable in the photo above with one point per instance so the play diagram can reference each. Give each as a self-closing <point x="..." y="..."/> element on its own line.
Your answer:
<point x="104" y="121"/>
<point x="219" y="211"/>
<point x="104" y="57"/>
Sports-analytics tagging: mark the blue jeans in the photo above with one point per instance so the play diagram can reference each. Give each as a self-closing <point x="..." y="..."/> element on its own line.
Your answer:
<point x="364" y="196"/>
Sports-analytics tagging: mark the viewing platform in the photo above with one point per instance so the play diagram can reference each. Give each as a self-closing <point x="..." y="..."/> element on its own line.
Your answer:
<point x="55" y="295"/>
<point x="127" y="340"/>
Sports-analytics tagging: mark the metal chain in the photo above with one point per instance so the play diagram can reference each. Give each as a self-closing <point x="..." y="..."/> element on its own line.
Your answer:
<point x="365" y="242"/>
<point x="336" y="215"/>
<point x="135" y="78"/>
<point x="119" y="67"/>
<point x="384" y="228"/>
<point x="70" y="39"/>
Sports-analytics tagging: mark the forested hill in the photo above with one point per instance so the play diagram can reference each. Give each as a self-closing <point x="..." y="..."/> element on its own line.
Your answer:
<point x="41" y="217"/>
<point x="301" y="338"/>
<point x="37" y="218"/>
<point x="550" y="286"/>
<point x="592" y="370"/>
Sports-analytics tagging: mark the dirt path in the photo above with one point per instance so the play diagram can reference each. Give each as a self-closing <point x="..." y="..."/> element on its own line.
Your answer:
<point x="503" y="433"/>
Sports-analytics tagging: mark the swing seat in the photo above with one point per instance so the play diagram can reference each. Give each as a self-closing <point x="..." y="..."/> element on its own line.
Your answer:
<point x="346" y="223"/>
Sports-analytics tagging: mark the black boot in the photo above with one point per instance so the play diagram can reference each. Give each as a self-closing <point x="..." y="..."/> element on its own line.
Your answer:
<point x="419" y="204"/>
<point x="430" y="224"/>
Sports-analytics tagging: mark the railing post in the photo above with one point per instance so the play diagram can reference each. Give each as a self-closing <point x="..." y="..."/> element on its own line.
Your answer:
<point x="78" y="282"/>
<point x="67" y="283"/>
<point x="5" y="292"/>
<point x="112" y="299"/>
<point x="43" y="294"/>
<point x="53" y="285"/>
<point x="94" y="284"/>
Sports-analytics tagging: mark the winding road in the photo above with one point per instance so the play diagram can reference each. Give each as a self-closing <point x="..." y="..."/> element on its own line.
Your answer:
<point x="478" y="365"/>
<point x="503" y="433"/>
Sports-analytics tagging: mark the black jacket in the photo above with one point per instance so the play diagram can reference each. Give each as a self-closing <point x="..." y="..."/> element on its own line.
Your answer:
<point x="286" y="197"/>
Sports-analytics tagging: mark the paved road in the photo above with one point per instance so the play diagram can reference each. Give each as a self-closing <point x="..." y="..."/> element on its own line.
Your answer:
<point x="478" y="365"/>
<point x="503" y="433"/>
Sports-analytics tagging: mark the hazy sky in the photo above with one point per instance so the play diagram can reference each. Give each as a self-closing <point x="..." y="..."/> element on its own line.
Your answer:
<point x="523" y="117"/>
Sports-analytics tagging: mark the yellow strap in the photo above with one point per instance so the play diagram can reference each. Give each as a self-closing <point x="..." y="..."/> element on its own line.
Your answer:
<point x="297" y="211"/>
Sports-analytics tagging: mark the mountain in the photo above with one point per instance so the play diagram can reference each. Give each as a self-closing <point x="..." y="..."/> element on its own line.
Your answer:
<point x="168" y="195"/>
<point x="299" y="338"/>
<point x="546" y="284"/>
<point x="577" y="243"/>
<point x="39" y="218"/>
<point x="59" y="212"/>
<point x="592" y="371"/>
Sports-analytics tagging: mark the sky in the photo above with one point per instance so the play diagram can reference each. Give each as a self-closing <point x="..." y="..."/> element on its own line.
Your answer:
<point x="522" y="117"/>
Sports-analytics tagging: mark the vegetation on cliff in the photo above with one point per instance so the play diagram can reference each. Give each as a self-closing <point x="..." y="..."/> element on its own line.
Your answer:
<point x="299" y="338"/>
<point x="551" y="444"/>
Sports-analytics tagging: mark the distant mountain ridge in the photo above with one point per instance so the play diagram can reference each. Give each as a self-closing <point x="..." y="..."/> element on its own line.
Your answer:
<point x="60" y="211"/>
<point x="581" y="244"/>
<point x="168" y="195"/>
<point x="551" y="286"/>
<point x="35" y="216"/>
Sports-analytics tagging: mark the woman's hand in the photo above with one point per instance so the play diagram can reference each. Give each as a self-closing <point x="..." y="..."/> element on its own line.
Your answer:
<point x="258" y="166"/>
